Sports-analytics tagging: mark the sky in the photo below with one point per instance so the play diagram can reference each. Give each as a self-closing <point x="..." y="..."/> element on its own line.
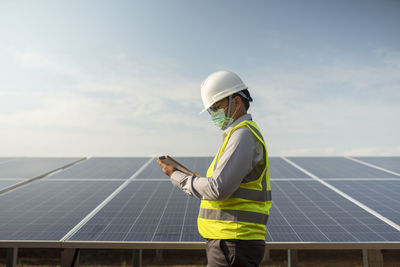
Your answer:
<point x="122" y="78"/>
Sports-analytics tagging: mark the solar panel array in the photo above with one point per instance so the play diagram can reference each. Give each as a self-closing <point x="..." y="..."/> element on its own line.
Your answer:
<point x="315" y="199"/>
<point x="25" y="168"/>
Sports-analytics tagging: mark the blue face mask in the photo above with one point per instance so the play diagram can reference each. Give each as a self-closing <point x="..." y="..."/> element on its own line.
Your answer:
<point x="220" y="120"/>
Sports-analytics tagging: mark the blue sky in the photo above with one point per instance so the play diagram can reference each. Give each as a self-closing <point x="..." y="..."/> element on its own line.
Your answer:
<point x="122" y="78"/>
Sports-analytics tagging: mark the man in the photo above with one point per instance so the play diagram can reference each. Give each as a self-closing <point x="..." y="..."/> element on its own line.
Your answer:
<point x="235" y="194"/>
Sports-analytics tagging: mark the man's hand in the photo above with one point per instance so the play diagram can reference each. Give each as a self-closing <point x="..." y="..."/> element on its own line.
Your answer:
<point x="166" y="168"/>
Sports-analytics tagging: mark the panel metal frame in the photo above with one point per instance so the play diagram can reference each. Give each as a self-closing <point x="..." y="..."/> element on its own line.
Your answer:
<point x="191" y="245"/>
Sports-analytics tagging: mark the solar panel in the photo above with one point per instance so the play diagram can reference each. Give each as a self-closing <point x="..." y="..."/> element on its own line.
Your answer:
<point x="47" y="210"/>
<point x="108" y="168"/>
<point x="3" y="160"/>
<point x="32" y="167"/>
<point x="150" y="210"/>
<point x="380" y="195"/>
<point x="197" y="164"/>
<point x="307" y="211"/>
<point x="389" y="163"/>
<point x="303" y="211"/>
<point x="338" y="167"/>
<point x="278" y="168"/>
<point x="6" y="183"/>
<point x="145" y="211"/>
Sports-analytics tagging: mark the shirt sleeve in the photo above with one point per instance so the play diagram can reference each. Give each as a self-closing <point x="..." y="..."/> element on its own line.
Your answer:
<point x="235" y="162"/>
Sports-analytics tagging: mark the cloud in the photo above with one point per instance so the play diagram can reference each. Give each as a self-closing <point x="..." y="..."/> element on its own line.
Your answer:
<point x="128" y="108"/>
<point x="75" y="124"/>
<point x="328" y="110"/>
<point x="35" y="60"/>
<point x="133" y="106"/>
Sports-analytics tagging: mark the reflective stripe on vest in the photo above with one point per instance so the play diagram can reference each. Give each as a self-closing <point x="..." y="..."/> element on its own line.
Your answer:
<point x="254" y="195"/>
<point x="245" y="213"/>
<point x="234" y="215"/>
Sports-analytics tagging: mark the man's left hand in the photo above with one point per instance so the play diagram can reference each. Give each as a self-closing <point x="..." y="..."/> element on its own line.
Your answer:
<point x="166" y="168"/>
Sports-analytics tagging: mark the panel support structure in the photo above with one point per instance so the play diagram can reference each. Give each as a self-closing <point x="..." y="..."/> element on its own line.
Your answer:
<point x="159" y="255"/>
<point x="292" y="258"/>
<point x="365" y="258"/>
<point x="12" y="255"/>
<point x="70" y="257"/>
<point x="137" y="258"/>
<point x="267" y="256"/>
<point x="375" y="258"/>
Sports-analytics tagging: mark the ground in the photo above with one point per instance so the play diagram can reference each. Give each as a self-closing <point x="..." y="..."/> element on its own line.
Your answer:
<point x="170" y="258"/>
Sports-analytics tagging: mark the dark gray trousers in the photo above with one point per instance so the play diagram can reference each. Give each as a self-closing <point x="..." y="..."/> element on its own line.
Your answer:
<point x="233" y="252"/>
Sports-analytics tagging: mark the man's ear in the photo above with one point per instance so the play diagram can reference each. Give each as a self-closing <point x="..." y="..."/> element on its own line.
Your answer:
<point x="237" y="100"/>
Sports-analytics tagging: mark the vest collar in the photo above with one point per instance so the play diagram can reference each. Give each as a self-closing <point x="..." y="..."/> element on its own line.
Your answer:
<point x="245" y="117"/>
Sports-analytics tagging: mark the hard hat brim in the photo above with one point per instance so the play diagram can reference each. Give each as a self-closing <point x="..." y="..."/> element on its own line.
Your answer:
<point x="225" y="93"/>
<point x="203" y="110"/>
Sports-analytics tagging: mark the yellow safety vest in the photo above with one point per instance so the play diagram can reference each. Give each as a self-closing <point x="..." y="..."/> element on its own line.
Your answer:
<point x="244" y="214"/>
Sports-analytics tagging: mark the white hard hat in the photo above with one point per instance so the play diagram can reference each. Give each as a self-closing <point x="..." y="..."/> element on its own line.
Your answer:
<point x="219" y="85"/>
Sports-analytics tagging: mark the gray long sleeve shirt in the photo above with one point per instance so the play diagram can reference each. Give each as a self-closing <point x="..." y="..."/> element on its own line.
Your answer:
<point x="242" y="152"/>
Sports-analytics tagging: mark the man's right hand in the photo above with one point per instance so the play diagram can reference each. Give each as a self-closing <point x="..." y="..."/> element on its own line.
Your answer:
<point x="166" y="168"/>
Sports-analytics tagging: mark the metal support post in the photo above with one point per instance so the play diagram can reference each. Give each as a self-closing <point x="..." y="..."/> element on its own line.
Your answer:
<point x="365" y="257"/>
<point x="266" y="256"/>
<point x="137" y="258"/>
<point x="292" y="258"/>
<point x="70" y="257"/>
<point x="12" y="255"/>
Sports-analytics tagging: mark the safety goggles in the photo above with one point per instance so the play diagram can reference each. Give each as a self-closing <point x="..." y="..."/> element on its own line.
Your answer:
<point x="213" y="108"/>
<point x="216" y="106"/>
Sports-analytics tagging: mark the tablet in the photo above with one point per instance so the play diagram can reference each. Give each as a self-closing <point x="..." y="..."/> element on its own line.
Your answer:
<point x="169" y="160"/>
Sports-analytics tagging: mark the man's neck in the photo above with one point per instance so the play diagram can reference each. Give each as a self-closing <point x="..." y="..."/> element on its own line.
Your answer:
<point x="239" y="114"/>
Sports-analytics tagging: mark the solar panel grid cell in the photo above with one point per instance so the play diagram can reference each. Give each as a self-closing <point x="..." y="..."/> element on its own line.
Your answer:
<point x="278" y="168"/>
<point x="31" y="167"/>
<point x="339" y="167"/>
<point x="6" y="183"/>
<point x="154" y="211"/>
<point x="4" y="160"/>
<point x="197" y="164"/>
<point x="390" y="163"/>
<point x="46" y="210"/>
<point x="107" y="168"/>
<point x="311" y="222"/>
<point x="382" y="196"/>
